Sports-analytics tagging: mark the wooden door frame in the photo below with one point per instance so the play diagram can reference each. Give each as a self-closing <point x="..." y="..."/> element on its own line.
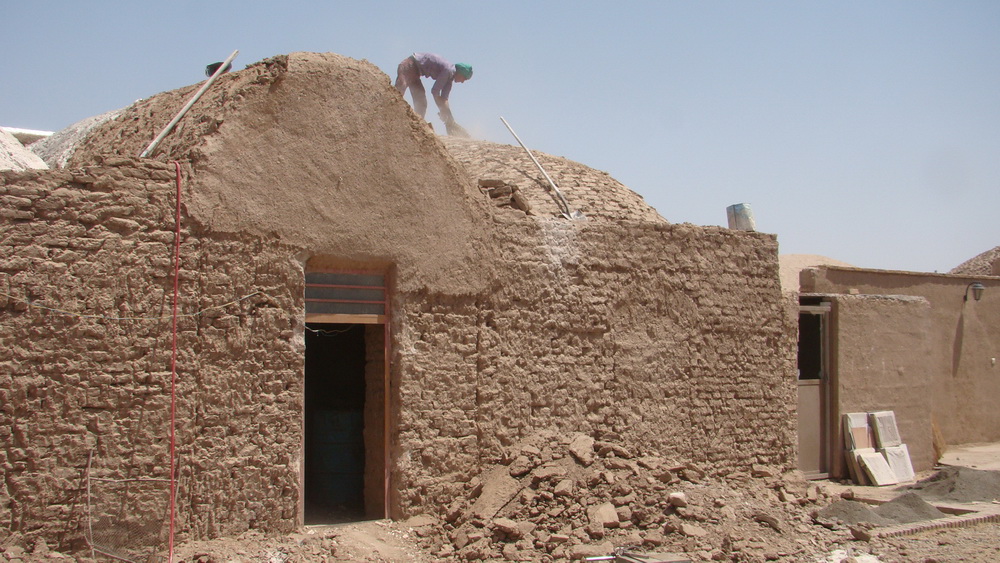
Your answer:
<point x="364" y="319"/>
<point x="826" y="415"/>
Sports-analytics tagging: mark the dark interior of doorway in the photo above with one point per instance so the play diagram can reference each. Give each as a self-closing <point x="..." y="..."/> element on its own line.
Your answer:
<point x="334" y="423"/>
<point x="810" y="346"/>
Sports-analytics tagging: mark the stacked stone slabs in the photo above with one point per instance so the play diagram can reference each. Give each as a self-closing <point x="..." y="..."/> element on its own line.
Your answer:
<point x="890" y="444"/>
<point x="875" y="453"/>
<point x="860" y="440"/>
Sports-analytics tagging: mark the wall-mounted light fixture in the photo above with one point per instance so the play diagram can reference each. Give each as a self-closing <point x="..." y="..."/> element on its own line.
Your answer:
<point x="977" y="291"/>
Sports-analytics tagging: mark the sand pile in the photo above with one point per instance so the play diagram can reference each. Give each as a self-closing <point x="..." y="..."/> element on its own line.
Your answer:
<point x="789" y="266"/>
<point x="908" y="508"/>
<point x="904" y="509"/>
<point x="851" y="512"/>
<point x="954" y="484"/>
<point x="960" y="484"/>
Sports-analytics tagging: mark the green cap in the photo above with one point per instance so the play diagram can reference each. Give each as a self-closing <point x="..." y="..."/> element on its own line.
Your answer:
<point x="464" y="69"/>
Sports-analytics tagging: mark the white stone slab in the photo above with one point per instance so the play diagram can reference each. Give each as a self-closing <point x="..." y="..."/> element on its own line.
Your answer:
<point x="898" y="458"/>
<point x="857" y="433"/>
<point x="886" y="433"/>
<point x="857" y="474"/>
<point x="877" y="468"/>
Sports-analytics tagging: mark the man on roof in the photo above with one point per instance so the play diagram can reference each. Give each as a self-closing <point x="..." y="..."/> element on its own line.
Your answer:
<point x="444" y="74"/>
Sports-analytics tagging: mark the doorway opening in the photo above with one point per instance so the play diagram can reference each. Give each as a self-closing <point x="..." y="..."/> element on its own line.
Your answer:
<point x="334" y="423"/>
<point x="345" y="444"/>
<point x="813" y="390"/>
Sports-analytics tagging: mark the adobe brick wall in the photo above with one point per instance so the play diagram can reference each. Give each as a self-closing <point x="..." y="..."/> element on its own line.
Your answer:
<point x="98" y="242"/>
<point x="667" y="339"/>
<point x="958" y="350"/>
<point x="663" y="338"/>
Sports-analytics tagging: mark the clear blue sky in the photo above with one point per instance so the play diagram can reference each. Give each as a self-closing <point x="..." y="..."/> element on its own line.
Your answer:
<point x="867" y="131"/>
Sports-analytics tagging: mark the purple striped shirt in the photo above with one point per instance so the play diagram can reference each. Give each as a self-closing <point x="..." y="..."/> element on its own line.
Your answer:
<point x="438" y="68"/>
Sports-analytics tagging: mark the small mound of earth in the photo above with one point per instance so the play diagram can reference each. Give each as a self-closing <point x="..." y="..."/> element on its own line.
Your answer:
<point x="960" y="484"/>
<point x="852" y="512"/>
<point x="908" y="508"/>
<point x="904" y="509"/>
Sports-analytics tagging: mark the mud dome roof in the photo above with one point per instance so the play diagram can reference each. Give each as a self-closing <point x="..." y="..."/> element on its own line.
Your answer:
<point x="319" y="152"/>
<point x="57" y="149"/>
<point x="14" y="156"/>
<point x="591" y="191"/>
<point x="985" y="264"/>
<point x="345" y="96"/>
<point x="296" y="101"/>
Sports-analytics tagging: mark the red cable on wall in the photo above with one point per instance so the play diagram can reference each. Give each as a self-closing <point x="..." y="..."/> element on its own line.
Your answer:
<point x="173" y="370"/>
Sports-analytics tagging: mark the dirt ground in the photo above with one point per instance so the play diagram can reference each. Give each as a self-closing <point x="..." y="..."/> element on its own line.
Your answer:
<point x="385" y="541"/>
<point x="765" y="518"/>
<point x="513" y="513"/>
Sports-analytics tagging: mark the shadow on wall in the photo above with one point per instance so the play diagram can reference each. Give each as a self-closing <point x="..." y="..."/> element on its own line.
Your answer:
<point x="956" y="351"/>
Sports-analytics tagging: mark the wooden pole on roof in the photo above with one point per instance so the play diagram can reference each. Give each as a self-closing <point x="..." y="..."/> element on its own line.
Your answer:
<point x="170" y="126"/>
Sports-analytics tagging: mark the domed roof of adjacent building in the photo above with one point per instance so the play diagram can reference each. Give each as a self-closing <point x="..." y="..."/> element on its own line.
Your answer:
<point x="15" y="156"/>
<point x="56" y="149"/>
<point x="985" y="264"/>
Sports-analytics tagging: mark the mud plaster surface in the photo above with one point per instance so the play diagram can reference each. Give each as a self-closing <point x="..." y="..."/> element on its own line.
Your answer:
<point x="321" y="136"/>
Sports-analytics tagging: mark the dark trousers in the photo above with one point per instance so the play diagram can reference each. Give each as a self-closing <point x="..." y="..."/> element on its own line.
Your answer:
<point x="408" y="76"/>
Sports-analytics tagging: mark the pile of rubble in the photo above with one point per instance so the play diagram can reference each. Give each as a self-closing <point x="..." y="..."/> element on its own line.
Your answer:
<point x="578" y="497"/>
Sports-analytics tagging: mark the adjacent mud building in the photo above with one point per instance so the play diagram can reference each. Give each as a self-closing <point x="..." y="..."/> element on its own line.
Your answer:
<point x="922" y="345"/>
<point x="362" y="324"/>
